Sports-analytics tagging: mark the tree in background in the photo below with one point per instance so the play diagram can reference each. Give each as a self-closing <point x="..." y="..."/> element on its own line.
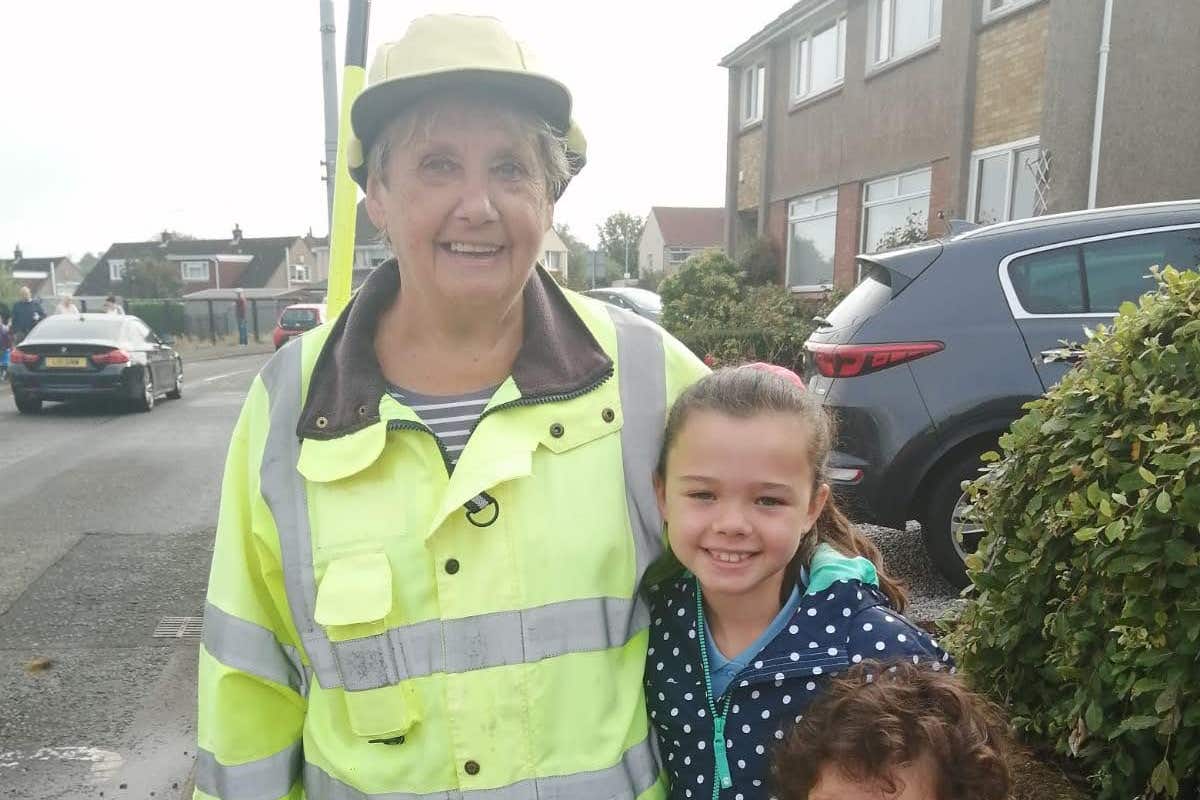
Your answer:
<point x="147" y="277"/>
<point x="577" y="259"/>
<point x="760" y="262"/>
<point x="619" y="237"/>
<point x="9" y="286"/>
<point x="86" y="262"/>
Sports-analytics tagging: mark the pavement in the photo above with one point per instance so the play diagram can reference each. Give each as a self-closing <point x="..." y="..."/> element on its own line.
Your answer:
<point x="106" y="525"/>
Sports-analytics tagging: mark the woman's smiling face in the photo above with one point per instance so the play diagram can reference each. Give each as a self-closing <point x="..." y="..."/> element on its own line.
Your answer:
<point x="464" y="203"/>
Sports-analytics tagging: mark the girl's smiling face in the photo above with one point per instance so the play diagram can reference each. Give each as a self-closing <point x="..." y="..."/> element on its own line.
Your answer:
<point x="738" y="496"/>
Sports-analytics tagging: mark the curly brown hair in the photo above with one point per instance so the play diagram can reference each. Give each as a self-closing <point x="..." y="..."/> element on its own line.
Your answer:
<point x="877" y="717"/>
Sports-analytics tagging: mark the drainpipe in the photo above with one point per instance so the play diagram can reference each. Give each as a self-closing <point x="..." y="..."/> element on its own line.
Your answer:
<point x="1101" y="85"/>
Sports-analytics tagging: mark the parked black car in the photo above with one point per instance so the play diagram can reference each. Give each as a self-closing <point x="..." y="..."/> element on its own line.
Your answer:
<point x="930" y="358"/>
<point x="87" y="356"/>
<point x="642" y="302"/>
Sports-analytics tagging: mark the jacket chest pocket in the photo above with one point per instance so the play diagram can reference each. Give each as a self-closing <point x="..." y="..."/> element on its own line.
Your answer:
<point x="354" y="599"/>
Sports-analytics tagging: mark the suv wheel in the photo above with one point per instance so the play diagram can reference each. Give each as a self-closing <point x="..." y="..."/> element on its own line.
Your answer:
<point x="949" y="531"/>
<point x="146" y="401"/>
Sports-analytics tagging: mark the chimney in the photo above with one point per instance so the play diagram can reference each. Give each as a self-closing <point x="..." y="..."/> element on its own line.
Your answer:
<point x="17" y="254"/>
<point x="165" y="238"/>
<point x="237" y="234"/>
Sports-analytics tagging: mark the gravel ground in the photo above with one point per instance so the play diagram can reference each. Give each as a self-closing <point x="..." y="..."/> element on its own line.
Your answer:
<point x="930" y="596"/>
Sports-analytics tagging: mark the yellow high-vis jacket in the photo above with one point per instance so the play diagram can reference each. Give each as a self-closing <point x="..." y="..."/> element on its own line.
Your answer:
<point x="380" y="626"/>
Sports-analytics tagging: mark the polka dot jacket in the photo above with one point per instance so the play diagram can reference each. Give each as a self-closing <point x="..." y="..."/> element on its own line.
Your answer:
<point x="840" y="626"/>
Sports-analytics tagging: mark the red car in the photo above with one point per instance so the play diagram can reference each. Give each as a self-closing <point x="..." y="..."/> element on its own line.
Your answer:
<point x="297" y="319"/>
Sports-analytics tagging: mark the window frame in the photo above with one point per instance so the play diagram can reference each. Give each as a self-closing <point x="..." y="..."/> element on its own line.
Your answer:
<point x="116" y="269"/>
<point x="837" y="23"/>
<point x="672" y="252"/>
<point x="814" y="197"/>
<point x="1010" y="293"/>
<point x="876" y="25"/>
<point x="977" y="156"/>
<point x="294" y="272"/>
<point x="1008" y="7"/>
<point x="868" y="204"/>
<point x="183" y="271"/>
<point x="754" y="76"/>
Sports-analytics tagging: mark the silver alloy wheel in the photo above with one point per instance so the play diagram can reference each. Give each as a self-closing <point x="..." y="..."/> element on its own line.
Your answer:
<point x="179" y="383"/>
<point x="148" y="391"/>
<point x="965" y="530"/>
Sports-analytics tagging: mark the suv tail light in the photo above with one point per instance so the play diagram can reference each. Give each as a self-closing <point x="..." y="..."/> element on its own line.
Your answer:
<point x="852" y="360"/>
<point x="19" y="356"/>
<point x="111" y="357"/>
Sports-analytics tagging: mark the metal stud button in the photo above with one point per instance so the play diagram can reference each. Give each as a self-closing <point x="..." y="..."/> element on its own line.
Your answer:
<point x="322" y="422"/>
<point x="471" y="768"/>
<point x="608" y="415"/>
<point x="362" y="411"/>
<point x="451" y="566"/>
<point x="557" y="430"/>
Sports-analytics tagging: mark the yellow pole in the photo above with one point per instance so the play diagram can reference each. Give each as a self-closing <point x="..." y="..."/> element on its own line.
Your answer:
<point x="345" y="190"/>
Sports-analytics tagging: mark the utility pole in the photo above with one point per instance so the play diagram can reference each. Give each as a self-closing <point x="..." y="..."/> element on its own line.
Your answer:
<point x="328" y="71"/>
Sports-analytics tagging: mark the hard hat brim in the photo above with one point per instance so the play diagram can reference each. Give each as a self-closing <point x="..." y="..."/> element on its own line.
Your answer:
<point x="378" y="105"/>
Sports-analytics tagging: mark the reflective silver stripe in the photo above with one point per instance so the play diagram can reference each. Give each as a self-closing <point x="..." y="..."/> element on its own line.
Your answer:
<point x="268" y="778"/>
<point x="488" y="640"/>
<point x="642" y="374"/>
<point x="251" y="648"/>
<point x="636" y="772"/>
<point x="283" y="489"/>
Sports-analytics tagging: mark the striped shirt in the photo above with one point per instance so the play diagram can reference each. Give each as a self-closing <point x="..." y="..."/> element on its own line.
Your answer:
<point x="451" y="418"/>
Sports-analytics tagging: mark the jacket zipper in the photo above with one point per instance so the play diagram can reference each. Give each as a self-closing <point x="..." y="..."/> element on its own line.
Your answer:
<point x="404" y="424"/>
<point x="723" y="777"/>
<point x="543" y="399"/>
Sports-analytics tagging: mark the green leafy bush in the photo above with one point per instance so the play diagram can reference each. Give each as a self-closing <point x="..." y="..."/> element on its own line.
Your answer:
<point x="1086" y="622"/>
<point x="163" y="316"/>
<point x="709" y="307"/>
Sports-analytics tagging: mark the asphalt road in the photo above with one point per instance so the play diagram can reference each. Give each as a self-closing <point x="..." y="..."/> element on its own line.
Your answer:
<point x="106" y="528"/>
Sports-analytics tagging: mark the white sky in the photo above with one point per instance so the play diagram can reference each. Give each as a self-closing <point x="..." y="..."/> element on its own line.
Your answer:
<point x="124" y="117"/>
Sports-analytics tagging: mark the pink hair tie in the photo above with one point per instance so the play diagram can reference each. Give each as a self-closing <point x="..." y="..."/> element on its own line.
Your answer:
<point x="782" y="372"/>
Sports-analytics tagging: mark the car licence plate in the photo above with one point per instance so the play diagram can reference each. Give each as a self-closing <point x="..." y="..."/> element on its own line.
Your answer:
<point x="59" y="362"/>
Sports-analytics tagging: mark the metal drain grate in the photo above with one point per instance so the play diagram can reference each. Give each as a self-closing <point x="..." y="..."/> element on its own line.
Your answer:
<point x="179" y="628"/>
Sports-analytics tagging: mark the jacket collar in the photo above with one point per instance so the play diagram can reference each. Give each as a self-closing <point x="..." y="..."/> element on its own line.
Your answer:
<point x="559" y="355"/>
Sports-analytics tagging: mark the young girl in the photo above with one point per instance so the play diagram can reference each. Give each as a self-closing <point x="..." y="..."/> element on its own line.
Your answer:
<point x="779" y="592"/>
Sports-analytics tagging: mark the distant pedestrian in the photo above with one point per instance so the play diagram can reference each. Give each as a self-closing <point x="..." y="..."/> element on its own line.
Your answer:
<point x="27" y="312"/>
<point x="112" y="306"/>
<point x="66" y="305"/>
<point x="6" y="344"/>
<point x="240" y="309"/>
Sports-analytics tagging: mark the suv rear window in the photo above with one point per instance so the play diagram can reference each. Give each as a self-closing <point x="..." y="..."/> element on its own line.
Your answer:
<point x="872" y="293"/>
<point x="1097" y="277"/>
<point x="298" y="318"/>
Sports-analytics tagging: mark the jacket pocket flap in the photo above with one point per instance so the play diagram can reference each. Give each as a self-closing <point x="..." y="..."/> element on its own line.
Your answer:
<point x="355" y="589"/>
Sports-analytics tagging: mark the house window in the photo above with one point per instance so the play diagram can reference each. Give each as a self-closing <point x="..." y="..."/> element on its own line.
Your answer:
<point x="1004" y="182"/>
<point x="299" y="272"/>
<point x="818" y="60"/>
<point x="116" y="269"/>
<point x="678" y="255"/>
<point x="998" y="8"/>
<point x="892" y="205"/>
<point x="812" y="236"/>
<point x="900" y="27"/>
<point x="754" y="80"/>
<point x="554" y="260"/>
<point x="194" y="270"/>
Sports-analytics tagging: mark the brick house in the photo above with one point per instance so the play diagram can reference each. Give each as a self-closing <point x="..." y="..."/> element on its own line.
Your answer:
<point x="672" y="235"/>
<point x="281" y="263"/>
<point x="46" y="276"/>
<point x="849" y="118"/>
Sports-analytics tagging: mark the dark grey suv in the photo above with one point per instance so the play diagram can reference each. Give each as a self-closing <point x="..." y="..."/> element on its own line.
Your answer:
<point x="929" y="359"/>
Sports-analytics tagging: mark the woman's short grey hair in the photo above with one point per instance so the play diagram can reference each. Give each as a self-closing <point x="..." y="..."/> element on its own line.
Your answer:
<point x="549" y="147"/>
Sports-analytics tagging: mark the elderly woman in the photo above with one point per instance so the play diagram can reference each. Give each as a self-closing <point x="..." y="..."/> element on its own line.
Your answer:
<point x="437" y="509"/>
